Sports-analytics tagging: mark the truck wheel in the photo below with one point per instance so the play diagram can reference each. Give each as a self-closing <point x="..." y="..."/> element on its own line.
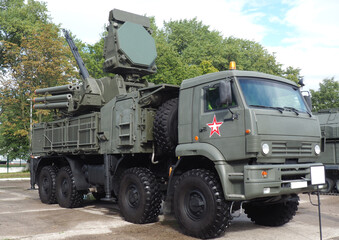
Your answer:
<point x="66" y="192"/>
<point x="199" y="204"/>
<point x="272" y="215"/>
<point x="139" y="196"/>
<point x="98" y="195"/>
<point x="46" y="182"/>
<point x="329" y="184"/>
<point x="165" y="128"/>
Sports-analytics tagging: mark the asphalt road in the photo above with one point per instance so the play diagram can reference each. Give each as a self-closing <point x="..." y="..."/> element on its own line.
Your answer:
<point x="23" y="216"/>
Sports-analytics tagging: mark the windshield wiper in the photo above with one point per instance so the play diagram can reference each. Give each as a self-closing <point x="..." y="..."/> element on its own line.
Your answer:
<point x="262" y="106"/>
<point x="296" y="111"/>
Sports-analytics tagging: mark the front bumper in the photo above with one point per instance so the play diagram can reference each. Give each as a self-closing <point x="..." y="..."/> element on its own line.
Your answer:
<point x="277" y="179"/>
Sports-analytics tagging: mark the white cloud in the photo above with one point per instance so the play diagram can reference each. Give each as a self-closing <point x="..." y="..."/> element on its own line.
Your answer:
<point x="314" y="23"/>
<point x="316" y="20"/>
<point x="315" y="45"/>
<point x="86" y="19"/>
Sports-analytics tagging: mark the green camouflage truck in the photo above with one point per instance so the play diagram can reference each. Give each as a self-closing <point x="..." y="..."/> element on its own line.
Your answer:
<point x="329" y="122"/>
<point x="213" y="145"/>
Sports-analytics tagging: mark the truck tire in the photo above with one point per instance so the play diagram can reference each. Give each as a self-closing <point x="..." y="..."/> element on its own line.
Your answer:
<point x="46" y="183"/>
<point x="199" y="204"/>
<point x="66" y="192"/>
<point x="272" y="215"/>
<point x="329" y="184"/>
<point x="139" y="197"/>
<point x="165" y="128"/>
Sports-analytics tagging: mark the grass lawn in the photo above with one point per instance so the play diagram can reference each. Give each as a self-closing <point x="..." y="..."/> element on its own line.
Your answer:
<point x="15" y="175"/>
<point x="12" y="165"/>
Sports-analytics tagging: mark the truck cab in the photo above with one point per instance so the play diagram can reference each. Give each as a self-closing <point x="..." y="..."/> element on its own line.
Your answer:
<point x="262" y="141"/>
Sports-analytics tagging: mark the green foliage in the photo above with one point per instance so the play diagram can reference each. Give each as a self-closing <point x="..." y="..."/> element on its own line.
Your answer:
<point x="93" y="57"/>
<point x="39" y="62"/>
<point x="194" y="41"/>
<point x="15" y="175"/>
<point x="190" y="44"/>
<point x="18" y="19"/>
<point x="327" y="96"/>
<point x="188" y="48"/>
<point x="34" y="55"/>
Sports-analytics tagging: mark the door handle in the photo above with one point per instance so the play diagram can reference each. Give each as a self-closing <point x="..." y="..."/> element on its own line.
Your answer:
<point x="203" y="129"/>
<point x="235" y="116"/>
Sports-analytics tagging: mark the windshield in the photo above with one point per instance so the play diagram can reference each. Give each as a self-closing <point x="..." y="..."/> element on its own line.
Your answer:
<point x="271" y="94"/>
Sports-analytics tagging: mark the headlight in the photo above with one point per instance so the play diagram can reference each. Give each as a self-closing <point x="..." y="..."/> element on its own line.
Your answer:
<point x="317" y="149"/>
<point x="265" y="148"/>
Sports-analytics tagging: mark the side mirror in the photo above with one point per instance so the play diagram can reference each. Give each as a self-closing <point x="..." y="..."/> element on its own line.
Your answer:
<point x="225" y="92"/>
<point x="307" y="96"/>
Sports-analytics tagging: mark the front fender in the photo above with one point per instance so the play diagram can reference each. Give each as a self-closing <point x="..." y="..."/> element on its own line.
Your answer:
<point x="199" y="149"/>
<point x="211" y="153"/>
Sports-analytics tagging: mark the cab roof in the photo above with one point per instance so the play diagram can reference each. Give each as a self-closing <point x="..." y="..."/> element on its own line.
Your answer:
<point x="192" y="82"/>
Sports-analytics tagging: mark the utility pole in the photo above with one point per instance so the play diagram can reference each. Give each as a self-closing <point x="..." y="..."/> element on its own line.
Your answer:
<point x="30" y="141"/>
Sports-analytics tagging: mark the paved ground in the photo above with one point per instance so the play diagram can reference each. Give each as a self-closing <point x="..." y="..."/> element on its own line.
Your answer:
<point x="11" y="169"/>
<point x="23" y="216"/>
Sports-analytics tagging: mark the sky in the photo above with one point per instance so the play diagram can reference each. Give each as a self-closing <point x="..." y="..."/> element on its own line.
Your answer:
<point x="302" y="33"/>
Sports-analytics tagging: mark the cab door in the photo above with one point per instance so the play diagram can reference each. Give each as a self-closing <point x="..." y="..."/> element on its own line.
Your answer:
<point x="221" y="125"/>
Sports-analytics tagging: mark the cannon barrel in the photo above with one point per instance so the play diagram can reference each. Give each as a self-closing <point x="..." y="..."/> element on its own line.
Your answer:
<point x="56" y="98"/>
<point x="56" y="90"/>
<point x="51" y="105"/>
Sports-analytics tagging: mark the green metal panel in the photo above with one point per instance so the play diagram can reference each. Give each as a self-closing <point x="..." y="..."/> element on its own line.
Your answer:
<point x="68" y="135"/>
<point x="329" y="121"/>
<point x="199" y="149"/>
<point x="278" y="124"/>
<point x="137" y="44"/>
<point x="185" y="112"/>
<point x="127" y="127"/>
<point x="192" y="82"/>
<point x="277" y="180"/>
<point x="123" y="16"/>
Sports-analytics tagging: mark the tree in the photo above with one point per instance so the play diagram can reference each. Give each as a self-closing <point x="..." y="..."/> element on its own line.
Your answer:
<point x="39" y="62"/>
<point x="188" y="48"/>
<point x="327" y="96"/>
<point x="93" y="57"/>
<point x="18" y="19"/>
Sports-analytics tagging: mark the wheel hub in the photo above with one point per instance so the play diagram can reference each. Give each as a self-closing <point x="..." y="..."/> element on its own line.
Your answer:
<point x="45" y="184"/>
<point x="64" y="187"/>
<point x="195" y="205"/>
<point x="133" y="196"/>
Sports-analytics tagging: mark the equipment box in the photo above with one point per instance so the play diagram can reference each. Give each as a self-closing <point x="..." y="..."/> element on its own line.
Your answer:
<point x="76" y="134"/>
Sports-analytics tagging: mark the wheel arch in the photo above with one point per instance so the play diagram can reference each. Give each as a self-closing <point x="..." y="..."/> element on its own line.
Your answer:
<point x="125" y="162"/>
<point x="198" y="155"/>
<point x="201" y="155"/>
<point x="75" y="164"/>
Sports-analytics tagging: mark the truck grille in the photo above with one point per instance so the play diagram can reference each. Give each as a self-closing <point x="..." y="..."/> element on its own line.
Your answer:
<point x="282" y="149"/>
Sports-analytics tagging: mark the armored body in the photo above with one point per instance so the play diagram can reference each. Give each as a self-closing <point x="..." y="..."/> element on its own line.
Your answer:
<point x="205" y="147"/>
<point x="329" y="122"/>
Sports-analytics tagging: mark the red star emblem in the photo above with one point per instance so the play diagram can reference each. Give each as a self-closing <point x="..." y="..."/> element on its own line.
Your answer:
<point x="214" y="126"/>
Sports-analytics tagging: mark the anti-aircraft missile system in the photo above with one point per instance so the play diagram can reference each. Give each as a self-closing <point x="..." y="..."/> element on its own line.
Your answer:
<point x="129" y="53"/>
<point x="217" y="143"/>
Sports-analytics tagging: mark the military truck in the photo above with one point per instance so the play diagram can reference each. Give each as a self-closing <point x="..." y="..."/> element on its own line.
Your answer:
<point x="213" y="145"/>
<point x="329" y="122"/>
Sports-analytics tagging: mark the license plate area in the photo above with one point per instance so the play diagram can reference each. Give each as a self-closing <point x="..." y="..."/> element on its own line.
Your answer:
<point x="298" y="184"/>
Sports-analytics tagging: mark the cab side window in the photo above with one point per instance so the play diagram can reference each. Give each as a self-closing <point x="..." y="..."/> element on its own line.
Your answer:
<point x="212" y="100"/>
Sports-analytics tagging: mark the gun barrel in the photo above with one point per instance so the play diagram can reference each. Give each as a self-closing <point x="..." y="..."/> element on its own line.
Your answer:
<point x="56" y="90"/>
<point x="51" y="105"/>
<point x="56" y="98"/>
<point x="83" y="70"/>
